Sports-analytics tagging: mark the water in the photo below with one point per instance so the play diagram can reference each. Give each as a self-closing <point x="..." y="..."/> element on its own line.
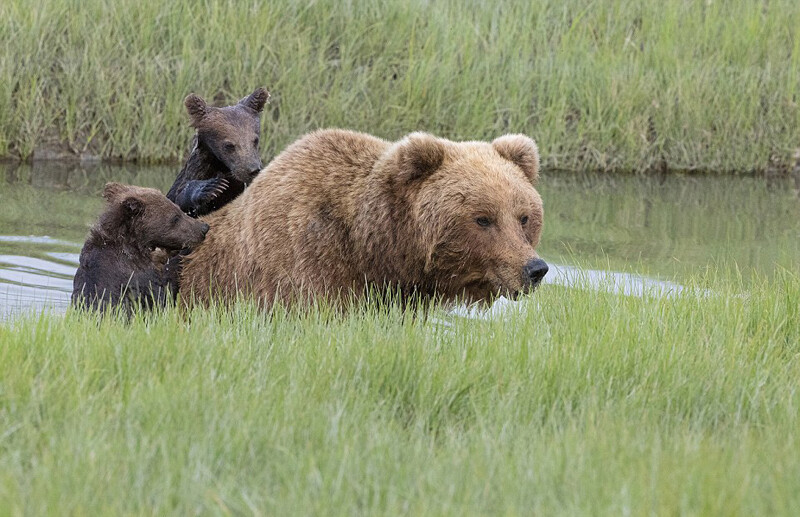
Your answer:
<point x="45" y="213"/>
<point x="626" y="233"/>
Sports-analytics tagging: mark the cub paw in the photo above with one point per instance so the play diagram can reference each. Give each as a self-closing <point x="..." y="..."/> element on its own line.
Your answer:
<point x="209" y="191"/>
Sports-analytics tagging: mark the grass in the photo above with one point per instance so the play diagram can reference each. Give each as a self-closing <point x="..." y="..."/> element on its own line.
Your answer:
<point x="607" y="85"/>
<point x="590" y="403"/>
<point x="584" y="402"/>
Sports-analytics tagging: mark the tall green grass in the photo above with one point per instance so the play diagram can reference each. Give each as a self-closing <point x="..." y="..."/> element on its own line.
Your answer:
<point x="584" y="402"/>
<point x="601" y="85"/>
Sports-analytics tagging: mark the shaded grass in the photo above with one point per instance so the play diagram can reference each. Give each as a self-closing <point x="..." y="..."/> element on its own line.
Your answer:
<point x="600" y="85"/>
<point x="591" y="403"/>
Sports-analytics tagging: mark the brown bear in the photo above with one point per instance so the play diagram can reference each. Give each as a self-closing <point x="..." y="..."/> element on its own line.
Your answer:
<point x="224" y="156"/>
<point x="339" y="213"/>
<point x="124" y="260"/>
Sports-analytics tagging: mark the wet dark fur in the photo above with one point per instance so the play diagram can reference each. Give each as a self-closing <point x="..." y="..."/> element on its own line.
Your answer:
<point x="124" y="260"/>
<point x="224" y="156"/>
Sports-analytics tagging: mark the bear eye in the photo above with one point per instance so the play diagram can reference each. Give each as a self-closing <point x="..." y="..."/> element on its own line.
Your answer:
<point x="483" y="222"/>
<point x="255" y="141"/>
<point x="229" y="147"/>
<point x="523" y="220"/>
<point x="176" y="219"/>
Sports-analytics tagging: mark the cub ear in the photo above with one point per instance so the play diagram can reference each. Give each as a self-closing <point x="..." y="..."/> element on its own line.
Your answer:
<point x="419" y="155"/>
<point x="256" y="100"/>
<point x="133" y="206"/>
<point x="114" y="191"/>
<point x="196" y="107"/>
<point x="521" y="151"/>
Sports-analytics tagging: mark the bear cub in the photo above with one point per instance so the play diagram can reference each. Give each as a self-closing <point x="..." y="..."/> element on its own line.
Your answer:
<point x="224" y="158"/>
<point x="124" y="260"/>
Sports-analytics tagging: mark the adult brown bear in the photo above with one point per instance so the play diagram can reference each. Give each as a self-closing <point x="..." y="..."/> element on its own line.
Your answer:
<point x="339" y="212"/>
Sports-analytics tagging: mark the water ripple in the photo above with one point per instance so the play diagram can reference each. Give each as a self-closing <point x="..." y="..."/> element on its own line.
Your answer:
<point x="35" y="283"/>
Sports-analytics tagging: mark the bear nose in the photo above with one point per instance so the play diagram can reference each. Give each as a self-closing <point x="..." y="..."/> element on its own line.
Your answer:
<point x="204" y="229"/>
<point x="535" y="270"/>
<point x="255" y="169"/>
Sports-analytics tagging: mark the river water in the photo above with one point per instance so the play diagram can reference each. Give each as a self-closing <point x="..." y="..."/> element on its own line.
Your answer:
<point x="620" y="232"/>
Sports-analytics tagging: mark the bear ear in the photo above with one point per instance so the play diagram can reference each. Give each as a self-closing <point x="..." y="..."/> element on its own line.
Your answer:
<point x="114" y="191"/>
<point x="133" y="205"/>
<point x="256" y="100"/>
<point x="419" y="155"/>
<point x="521" y="151"/>
<point x="196" y="107"/>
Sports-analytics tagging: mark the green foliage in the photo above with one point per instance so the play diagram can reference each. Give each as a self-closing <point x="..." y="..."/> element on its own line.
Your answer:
<point x="601" y="85"/>
<point x="583" y="402"/>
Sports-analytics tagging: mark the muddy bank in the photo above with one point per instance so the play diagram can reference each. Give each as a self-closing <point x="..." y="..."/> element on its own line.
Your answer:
<point x="63" y="156"/>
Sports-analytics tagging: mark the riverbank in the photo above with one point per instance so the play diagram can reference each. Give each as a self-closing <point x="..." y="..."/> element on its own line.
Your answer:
<point x="610" y="86"/>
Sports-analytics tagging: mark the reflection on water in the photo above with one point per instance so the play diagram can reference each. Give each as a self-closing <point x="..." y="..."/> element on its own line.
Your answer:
<point x="627" y="284"/>
<point x="45" y="213"/>
<point x="671" y="227"/>
<point x="34" y="283"/>
<point x="656" y="231"/>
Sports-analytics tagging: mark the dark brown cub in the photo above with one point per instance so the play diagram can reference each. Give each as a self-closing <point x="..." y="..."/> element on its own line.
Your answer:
<point x="224" y="158"/>
<point x="123" y="262"/>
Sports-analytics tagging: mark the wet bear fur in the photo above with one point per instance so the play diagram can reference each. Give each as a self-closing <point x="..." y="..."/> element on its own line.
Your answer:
<point x="224" y="155"/>
<point x="339" y="214"/>
<point x="124" y="262"/>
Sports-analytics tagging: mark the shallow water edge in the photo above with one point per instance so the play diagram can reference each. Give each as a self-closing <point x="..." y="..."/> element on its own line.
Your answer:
<point x="630" y="234"/>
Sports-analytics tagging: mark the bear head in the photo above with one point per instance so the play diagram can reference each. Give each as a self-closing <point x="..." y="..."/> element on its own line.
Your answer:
<point x="476" y="212"/>
<point x="145" y="218"/>
<point x="231" y="133"/>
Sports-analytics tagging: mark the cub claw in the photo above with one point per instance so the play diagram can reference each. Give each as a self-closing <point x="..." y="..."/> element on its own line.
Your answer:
<point x="222" y="184"/>
<point x="210" y="190"/>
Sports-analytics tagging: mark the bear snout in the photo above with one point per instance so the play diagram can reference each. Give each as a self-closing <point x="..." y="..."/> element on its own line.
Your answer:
<point x="534" y="271"/>
<point x="255" y="168"/>
<point x="248" y="172"/>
